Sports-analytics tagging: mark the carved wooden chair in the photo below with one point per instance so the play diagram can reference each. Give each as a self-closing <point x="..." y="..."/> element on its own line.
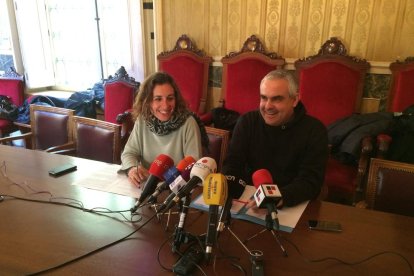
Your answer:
<point x="390" y="187"/>
<point x="243" y="72"/>
<point x="50" y="128"/>
<point x="11" y="85"/>
<point x="218" y="144"/>
<point x="330" y="86"/>
<point x="94" y="139"/>
<point x="189" y="68"/>
<point x="401" y="93"/>
<point x="119" y="92"/>
<point x="401" y="96"/>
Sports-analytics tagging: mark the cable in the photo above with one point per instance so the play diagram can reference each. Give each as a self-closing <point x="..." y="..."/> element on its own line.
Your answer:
<point x="93" y="251"/>
<point x="350" y="263"/>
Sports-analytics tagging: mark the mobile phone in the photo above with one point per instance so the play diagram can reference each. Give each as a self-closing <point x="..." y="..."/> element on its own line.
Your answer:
<point x="61" y="170"/>
<point x="325" y="225"/>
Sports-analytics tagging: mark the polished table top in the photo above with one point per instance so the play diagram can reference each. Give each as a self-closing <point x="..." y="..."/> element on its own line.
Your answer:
<point x="37" y="236"/>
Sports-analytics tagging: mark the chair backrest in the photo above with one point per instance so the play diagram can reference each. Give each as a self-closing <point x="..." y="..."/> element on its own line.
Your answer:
<point x="97" y="140"/>
<point x="119" y="92"/>
<point x="401" y="93"/>
<point x="331" y="82"/>
<point x="50" y="126"/>
<point x="12" y="85"/>
<point x="189" y="68"/>
<point x="243" y="72"/>
<point x="390" y="187"/>
<point x="218" y="144"/>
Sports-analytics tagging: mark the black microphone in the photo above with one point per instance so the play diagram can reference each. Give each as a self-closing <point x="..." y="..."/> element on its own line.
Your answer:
<point x="236" y="187"/>
<point x="267" y="195"/>
<point x="179" y="230"/>
<point x="214" y="195"/>
<point x="200" y="170"/>
<point x="156" y="170"/>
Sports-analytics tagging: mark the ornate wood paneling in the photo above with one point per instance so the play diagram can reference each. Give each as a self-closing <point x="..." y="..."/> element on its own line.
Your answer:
<point x="375" y="30"/>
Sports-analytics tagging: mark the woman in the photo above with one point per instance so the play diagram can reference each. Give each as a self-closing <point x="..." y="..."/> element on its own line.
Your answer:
<point x="163" y="125"/>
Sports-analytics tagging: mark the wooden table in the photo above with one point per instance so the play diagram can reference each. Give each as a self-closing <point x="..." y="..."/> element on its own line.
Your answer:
<point x="36" y="236"/>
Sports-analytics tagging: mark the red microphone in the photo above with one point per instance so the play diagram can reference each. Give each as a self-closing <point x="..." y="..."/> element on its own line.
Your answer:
<point x="267" y="195"/>
<point x="158" y="167"/>
<point x="185" y="162"/>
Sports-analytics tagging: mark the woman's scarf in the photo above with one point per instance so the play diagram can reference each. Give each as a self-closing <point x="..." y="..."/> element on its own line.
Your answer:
<point x="162" y="128"/>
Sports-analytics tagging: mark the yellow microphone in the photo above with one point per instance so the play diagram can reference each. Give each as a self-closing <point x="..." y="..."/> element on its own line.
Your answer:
<point x="214" y="195"/>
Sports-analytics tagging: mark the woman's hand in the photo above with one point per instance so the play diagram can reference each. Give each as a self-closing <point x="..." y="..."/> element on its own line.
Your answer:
<point x="137" y="175"/>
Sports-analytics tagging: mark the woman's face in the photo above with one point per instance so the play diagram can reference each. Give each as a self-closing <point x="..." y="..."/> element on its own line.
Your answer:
<point x="163" y="102"/>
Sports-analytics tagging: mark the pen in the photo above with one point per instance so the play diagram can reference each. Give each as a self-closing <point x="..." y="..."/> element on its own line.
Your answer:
<point x="240" y="201"/>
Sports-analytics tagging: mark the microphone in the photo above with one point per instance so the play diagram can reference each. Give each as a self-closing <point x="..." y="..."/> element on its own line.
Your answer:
<point x="236" y="188"/>
<point x="267" y="195"/>
<point x="156" y="171"/>
<point x="215" y="195"/>
<point x="170" y="175"/>
<point x="179" y="233"/>
<point x="200" y="170"/>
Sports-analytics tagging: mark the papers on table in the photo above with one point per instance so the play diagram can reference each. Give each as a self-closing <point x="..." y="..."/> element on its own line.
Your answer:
<point x="288" y="216"/>
<point x="108" y="180"/>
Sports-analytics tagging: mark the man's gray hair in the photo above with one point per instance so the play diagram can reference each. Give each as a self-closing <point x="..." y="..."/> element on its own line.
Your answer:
<point x="281" y="74"/>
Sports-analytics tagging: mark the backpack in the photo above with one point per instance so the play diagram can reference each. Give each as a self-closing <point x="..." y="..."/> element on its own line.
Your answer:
<point x="402" y="132"/>
<point x="83" y="103"/>
<point x="24" y="110"/>
<point x="8" y="110"/>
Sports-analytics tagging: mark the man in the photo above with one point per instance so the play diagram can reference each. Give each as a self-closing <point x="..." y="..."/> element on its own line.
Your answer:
<point x="281" y="138"/>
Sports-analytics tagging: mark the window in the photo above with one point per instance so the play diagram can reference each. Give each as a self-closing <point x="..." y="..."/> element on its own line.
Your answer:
<point x="72" y="44"/>
<point x="6" y="49"/>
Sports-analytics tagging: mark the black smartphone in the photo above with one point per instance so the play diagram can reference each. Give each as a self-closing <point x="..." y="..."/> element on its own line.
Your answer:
<point x="325" y="225"/>
<point x="61" y="170"/>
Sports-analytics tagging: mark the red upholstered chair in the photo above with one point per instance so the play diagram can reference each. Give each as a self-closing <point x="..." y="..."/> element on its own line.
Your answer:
<point x="119" y="92"/>
<point x="189" y="68"/>
<point x="401" y="93"/>
<point x="401" y="96"/>
<point x="330" y="87"/>
<point x="12" y="85"/>
<point x="51" y="128"/>
<point x="243" y="72"/>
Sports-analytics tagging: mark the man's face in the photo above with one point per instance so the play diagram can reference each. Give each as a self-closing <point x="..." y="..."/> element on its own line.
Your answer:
<point x="276" y="106"/>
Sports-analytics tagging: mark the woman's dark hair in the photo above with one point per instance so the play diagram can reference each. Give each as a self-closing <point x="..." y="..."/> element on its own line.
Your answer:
<point x="146" y="93"/>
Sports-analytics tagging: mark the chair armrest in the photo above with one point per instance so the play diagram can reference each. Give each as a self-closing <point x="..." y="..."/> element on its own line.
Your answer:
<point x="17" y="137"/>
<point x="366" y="150"/>
<point x="383" y="142"/>
<point x="68" y="146"/>
<point x="206" y="118"/>
<point x="22" y="125"/>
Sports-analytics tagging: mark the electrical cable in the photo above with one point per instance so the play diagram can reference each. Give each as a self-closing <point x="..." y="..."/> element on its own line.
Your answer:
<point x="93" y="251"/>
<point x="350" y="263"/>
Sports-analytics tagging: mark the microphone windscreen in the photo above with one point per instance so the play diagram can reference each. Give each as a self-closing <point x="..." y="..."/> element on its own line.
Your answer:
<point x="185" y="162"/>
<point x="160" y="165"/>
<point x="203" y="167"/>
<point x="236" y="186"/>
<point x="171" y="174"/>
<point x="185" y="174"/>
<point x="260" y="177"/>
<point x="215" y="189"/>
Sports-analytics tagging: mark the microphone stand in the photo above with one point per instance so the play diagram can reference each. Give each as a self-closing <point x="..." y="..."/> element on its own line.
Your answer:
<point x="269" y="227"/>
<point x="180" y="236"/>
<point x="256" y="256"/>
